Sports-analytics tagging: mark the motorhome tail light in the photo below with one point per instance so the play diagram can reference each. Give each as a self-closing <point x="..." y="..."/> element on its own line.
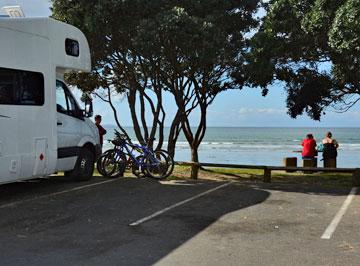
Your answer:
<point x="72" y="47"/>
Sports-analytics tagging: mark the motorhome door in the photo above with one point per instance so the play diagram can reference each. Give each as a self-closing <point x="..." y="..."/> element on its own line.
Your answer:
<point x="69" y="126"/>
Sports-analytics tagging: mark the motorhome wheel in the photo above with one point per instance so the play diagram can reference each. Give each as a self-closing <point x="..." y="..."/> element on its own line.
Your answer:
<point x="84" y="167"/>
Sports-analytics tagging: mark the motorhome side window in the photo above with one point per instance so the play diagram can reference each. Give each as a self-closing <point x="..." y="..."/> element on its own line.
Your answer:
<point x="19" y="87"/>
<point x="65" y="103"/>
<point x="72" y="47"/>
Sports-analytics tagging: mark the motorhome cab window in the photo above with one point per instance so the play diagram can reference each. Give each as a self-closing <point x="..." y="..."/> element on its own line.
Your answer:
<point x="19" y="87"/>
<point x="65" y="102"/>
<point x="72" y="47"/>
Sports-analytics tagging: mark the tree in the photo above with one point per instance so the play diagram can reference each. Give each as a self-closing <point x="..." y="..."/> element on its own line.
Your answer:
<point x="198" y="44"/>
<point x="186" y="48"/>
<point x="313" y="48"/>
<point x="112" y="29"/>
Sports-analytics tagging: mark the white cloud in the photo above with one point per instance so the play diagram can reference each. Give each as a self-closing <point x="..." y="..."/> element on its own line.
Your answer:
<point x="265" y="111"/>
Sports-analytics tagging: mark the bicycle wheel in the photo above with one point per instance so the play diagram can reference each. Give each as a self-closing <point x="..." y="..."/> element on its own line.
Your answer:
<point x="101" y="160"/>
<point x="171" y="163"/>
<point x="136" y="169"/>
<point x="156" y="165"/>
<point x="114" y="164"/>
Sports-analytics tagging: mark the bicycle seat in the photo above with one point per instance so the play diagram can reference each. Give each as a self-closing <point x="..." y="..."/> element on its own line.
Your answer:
<point x="118" y="142"/>
<point x="121" y="136"/>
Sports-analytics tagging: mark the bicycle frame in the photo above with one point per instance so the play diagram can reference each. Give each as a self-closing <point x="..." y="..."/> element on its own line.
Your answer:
<point x="144" y="150"/>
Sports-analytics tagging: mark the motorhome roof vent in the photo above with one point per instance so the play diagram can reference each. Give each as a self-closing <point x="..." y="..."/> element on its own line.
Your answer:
<point x="14" y="11"/>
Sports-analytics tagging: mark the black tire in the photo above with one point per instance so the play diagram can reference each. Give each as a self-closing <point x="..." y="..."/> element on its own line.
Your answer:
<point x="84" y="167"/>
<point x="99" y="165"/>
<point x="100" y="162"/>
<point x="159" y="170"/>
<point x="113" y="167"/>
<point x="171" y="163"/>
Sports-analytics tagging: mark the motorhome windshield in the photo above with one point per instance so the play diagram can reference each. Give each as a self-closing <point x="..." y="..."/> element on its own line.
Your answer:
<point x="19" y="87"/>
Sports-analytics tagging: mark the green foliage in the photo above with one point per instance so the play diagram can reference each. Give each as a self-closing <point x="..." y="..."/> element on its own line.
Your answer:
<point x="344" y="36"/>
<point x="313" y="47"/>
<point x="182" y="37"/>
<point x="189" y="48"/>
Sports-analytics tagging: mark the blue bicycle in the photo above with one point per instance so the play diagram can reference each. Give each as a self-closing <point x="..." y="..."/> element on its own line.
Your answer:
<point x="141" y="159"/>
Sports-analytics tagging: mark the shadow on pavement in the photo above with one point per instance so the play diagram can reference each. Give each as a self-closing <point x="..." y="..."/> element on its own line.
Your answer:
<point x="311" y="189"/>
<point x="336" y="185"/>
<point x="35" y="187"/>
<point x="91" y="226"/>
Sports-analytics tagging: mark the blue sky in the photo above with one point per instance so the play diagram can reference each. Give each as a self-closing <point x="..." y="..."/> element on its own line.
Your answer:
<point x="232" y="108"/>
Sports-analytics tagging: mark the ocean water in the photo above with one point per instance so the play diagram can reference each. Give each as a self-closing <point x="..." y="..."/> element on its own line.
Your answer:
<point x="262" y="146"/>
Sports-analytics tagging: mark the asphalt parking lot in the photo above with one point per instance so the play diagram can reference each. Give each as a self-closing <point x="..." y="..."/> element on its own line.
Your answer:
<point x="110" y="222"/>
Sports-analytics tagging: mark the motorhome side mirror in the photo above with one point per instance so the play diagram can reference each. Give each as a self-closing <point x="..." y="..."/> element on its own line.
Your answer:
<point x="88" y="108"/>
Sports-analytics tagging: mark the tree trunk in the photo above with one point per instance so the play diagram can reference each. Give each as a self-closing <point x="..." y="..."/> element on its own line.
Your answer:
<point x="161" y="123"/>
<point x="132" y="106"/>
<point x="194" y="159"/>
<point x="174" y="134"/>
<point x="115" y="114"/>
<point x="171" y="147"/>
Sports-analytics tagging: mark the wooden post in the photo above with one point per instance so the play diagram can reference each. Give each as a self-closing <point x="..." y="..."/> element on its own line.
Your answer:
<point x="267" y="175"/>
<point x="290" y="161"/>
<point x="356" y="177"/>
<point x="330" y="163"/>
<point x="309" y="163"/>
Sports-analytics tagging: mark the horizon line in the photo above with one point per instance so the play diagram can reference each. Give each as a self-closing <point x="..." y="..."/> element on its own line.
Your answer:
<point x="126" y="126"/>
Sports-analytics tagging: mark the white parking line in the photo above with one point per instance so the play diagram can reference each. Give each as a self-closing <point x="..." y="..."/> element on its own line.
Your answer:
<point x="11" y="204"/>
<point x="335" y="222"/>
<point x="145" y="219"/>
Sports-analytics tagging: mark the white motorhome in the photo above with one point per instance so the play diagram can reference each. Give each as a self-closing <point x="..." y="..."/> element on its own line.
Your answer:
<point x="42" y="128"/>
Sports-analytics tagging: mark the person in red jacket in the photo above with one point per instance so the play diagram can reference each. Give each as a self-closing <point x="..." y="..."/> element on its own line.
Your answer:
<point x="102" y="130"/>
<point x="309" y="147"/>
